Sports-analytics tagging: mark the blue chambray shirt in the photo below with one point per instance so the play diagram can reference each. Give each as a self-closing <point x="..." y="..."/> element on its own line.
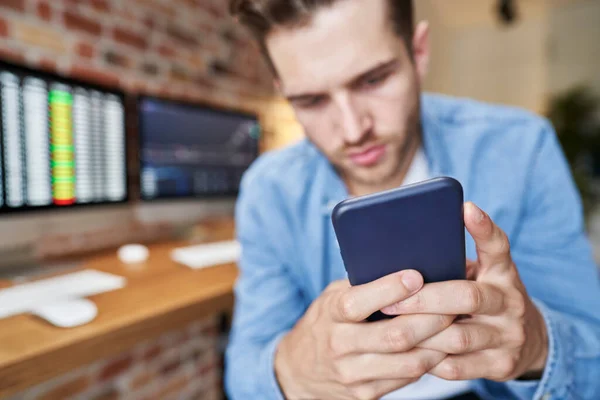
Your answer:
<point x="509" y="162"/>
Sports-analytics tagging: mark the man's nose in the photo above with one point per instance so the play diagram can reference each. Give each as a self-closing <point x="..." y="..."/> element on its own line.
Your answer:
<point x="354" y="120"/>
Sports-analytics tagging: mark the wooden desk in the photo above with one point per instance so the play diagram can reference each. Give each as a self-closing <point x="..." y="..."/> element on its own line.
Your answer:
<point x="160" y="296"/>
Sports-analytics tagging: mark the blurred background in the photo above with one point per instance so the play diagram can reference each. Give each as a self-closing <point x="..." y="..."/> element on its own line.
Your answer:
<point x="158" y="104"/>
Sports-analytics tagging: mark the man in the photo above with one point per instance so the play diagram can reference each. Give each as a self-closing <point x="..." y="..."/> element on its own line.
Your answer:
<point x="352" y="70"/>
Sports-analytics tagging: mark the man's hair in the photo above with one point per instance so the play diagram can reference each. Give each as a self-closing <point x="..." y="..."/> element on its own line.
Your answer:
<point x="263" y="16"/>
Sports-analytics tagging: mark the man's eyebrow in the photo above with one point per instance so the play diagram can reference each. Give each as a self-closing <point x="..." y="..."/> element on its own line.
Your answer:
<point x="381" y="67"/>
<point x="303" y="96"/>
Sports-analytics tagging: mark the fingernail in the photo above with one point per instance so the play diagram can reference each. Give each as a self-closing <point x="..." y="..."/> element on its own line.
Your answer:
<point x="411" y="280"/>
<point x="389" y="310"/>
<point x="477" y="213"/>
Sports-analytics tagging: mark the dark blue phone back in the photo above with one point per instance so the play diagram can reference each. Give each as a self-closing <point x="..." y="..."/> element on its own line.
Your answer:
<point x="417" y="226"/>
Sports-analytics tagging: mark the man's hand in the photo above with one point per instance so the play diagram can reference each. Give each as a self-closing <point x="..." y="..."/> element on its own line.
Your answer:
<point x="331" y="353"/>
<point x="505" y="336"/>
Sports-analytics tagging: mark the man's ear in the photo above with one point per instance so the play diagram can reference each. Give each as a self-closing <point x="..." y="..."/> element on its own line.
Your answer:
<point x="421" y="49"/>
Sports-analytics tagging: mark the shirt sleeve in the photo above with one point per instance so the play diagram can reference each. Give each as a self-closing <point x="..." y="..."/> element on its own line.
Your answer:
<point x="556" y="264"/>
<point x="268" y="300"/>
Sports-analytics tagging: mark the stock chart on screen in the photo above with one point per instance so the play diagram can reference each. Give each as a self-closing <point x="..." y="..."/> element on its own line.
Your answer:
<point x="62" y="143"/>
<point x="193" y="151"/>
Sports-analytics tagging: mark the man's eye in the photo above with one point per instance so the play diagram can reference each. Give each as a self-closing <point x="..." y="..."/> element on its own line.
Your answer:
<point x="374" y="80"/>
<point x="310" y="102"/>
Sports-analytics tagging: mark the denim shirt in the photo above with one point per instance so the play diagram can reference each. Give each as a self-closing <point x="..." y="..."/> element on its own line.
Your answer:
<point x="509" y="163"/>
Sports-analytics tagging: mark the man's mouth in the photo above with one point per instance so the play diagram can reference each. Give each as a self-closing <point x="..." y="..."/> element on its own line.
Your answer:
<point x="369" y="156"/>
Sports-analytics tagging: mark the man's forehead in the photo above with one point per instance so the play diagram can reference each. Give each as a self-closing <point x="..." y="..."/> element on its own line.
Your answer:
<point x="339" y="44"/>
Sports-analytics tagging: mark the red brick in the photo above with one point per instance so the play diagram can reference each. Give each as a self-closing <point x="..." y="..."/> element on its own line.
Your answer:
<point x="164" y="92"/>
<point x="179" y="73"/>
<point x="204" y="369"/>
<point x="39" y="35"/>
<point x="129" y="38"/>
<point x="142" y="379"/>
<point x="85" y="50"/>
<point x="198" y="61"/>
<point x="214" y="10"/>
<point x="3" y="27"/>
<point x="211" y="330"/>
<point x="196" y="355"/>
<point x="150" y="68"/>
<point x="211" y="47"/>
<point x="170" y="366"/>
<point x="208" y="364"/>
<point x="133" y="85"/>
<point x="178" y="338"/>
<point x="67" y="389"/>
<point x="100" y="5"/>
<point x="149" y="22"/>
<point x="47" y="65"/>
<point x="191" y="3"/>
<point x="164" y="9"/>
<point x="79" y="22"/>
<point x="128" y="15"/>
<point x="152" y="352"/>
<point x="44" y="11"/>
<point x="206" y="27"/>
<point x="116" y="367"/>
<point x="182" y="35"/>
<point x="118" y="59"/>
<point x="166" y="50"/>
<point x="174" y="387"/>
<point x="18" y="5"/>
<point x="12" y="55"/>
<point x="204" y="82"/>
<point x="109" y="394"/>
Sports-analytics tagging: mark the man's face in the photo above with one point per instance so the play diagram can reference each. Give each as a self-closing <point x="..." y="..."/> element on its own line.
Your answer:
<point x="353" y="86"/>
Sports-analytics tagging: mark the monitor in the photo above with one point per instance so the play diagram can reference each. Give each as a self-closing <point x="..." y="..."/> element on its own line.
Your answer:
<point x="62" y="142"/>
<point x="189" y="151"/>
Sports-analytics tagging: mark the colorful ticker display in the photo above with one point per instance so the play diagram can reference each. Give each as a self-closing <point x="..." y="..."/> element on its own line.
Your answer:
<point x="61" y="147"/>
<point x="61" y="144"/>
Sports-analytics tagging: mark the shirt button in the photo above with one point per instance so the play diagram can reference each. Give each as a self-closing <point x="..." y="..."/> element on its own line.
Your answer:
<point x="546" y="397"/>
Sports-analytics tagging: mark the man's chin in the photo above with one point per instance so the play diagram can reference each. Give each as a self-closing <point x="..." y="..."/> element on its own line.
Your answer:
<point x="375" y="177"/>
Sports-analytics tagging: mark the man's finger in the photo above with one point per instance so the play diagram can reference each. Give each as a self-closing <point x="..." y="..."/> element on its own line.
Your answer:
<point x="359" y="302"/>
<point x="369" y="367"/>
<point x="464" y="337"/>
<point x="472" y="269"/>
<point x="493" y="247"/>
<point x="487" y="364"/>
<point x="451" y="298"/>
<point x="396" y="335"/>
<point x="378" y="388"/>
<point x="337" y="286"/>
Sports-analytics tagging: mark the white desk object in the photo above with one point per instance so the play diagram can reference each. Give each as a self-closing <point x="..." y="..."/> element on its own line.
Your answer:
<point x="67" y="313"/>
<point x="25" y="298"/>
<point x="207" y="255"/>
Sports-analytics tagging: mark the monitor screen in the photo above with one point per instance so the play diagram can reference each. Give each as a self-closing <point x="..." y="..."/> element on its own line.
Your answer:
<point x="62" y="142"/>
<point x="193" y="151"/>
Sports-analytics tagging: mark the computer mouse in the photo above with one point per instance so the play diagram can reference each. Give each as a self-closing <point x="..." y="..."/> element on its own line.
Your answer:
<point x="67" y="313"/>
<point x="133" y="253"/>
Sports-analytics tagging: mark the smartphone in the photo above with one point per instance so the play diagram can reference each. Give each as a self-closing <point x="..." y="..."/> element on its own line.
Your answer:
<point x="418" y="226"/>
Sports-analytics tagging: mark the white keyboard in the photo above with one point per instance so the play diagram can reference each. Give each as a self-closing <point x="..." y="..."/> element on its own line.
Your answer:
<point x="207" y="255"/>
<point x="26" y="297"/>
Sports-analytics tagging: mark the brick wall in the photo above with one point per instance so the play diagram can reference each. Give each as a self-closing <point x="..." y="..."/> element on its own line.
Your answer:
<point x="188" y="49"/>
<point x="183" y="364"/>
